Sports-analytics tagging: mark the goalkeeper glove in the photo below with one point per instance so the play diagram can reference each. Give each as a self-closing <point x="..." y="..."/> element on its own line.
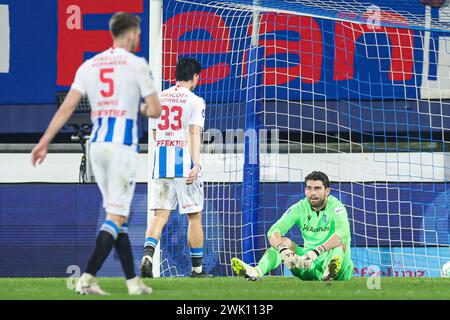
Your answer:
<point x="288" y="257"/>
<point x="314" y="253"/>
<point x="306" y="260"/>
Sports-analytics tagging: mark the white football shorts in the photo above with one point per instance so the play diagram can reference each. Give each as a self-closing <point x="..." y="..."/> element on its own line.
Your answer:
<point x="168" y="193"/>
<point x="114" y="167"/>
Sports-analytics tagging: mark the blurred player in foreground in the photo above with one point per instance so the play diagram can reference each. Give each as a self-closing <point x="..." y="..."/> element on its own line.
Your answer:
<point x="323" y="222"/>
<point x="114" y="82"/>
<point x="176" y="178"/>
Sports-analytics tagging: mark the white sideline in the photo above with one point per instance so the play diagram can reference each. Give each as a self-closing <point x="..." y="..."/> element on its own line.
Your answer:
<point x="394" y="167"/>
<point x="4" y="39"/>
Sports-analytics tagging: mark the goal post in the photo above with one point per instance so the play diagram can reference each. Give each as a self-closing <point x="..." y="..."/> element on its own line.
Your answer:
<point x="155" y="62"/>
<point x="356" y="90"/>
<point x="251" y="172"/>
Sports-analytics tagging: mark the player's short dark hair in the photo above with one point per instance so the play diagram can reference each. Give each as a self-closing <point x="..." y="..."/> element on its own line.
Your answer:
<point x="122" y="22"/>
<point x="186" y="68"/>
<point x="318" y="175"/>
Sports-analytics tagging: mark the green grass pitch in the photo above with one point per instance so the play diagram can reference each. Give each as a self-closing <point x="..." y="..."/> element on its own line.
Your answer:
<point x="232" y="288"/>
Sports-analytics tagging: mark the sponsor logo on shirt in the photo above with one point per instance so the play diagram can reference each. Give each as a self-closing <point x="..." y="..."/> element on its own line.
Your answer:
<point x="312" y="229"/>
<point x="339" y="210"/>
<point x="172" y="143"/>
<point x="109" y="113"/>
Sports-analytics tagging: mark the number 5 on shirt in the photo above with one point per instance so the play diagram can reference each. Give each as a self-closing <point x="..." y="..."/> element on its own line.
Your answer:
<point x="105" y="77"/>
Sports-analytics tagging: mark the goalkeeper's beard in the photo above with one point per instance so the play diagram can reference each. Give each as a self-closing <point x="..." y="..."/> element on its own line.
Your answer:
<point x="317" y="205"/>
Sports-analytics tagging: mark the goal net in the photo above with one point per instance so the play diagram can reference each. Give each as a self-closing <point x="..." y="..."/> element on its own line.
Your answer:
<point x="357" y="90"/>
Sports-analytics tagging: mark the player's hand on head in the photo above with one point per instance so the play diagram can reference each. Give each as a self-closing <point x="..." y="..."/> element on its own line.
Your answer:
<point x="193" y="174"/>
<point x="38" y="153"/>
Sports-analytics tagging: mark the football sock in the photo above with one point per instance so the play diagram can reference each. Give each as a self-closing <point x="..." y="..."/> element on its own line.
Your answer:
<point x="196" y="259"/>
<point x="103" y="246"/>
<point x="123" y="247"/>
<point x="149" y="246"/>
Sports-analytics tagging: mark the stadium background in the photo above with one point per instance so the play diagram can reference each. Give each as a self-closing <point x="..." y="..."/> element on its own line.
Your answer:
<point x="47" y="227"/>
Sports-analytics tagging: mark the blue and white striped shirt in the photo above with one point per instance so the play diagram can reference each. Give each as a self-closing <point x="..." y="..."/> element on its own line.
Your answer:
<point x="180" y="109"/>
<point x="114" y="81"/>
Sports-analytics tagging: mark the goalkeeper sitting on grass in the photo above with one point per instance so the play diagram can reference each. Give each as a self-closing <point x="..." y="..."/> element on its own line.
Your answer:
<point x="323" y="222"/>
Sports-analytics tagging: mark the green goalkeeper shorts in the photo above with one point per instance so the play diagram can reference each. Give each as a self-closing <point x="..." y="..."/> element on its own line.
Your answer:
<point x="321" y="263"/>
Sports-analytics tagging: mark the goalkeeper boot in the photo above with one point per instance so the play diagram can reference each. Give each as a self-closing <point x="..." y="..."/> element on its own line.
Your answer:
<point x="87" y="285"/>
<point x="333" y="268"/>
<point x="136" y="287"/>
<point x="146" y="267"/>
<point x="244" y="270"/>
<point x="202" y="274"/>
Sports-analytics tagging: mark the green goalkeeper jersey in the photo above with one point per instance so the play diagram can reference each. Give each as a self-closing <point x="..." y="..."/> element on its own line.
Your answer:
<point x="316" y="227"/>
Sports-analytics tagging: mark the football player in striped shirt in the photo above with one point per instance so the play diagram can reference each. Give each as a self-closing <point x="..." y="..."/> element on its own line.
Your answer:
<point x="114" y="82"/>
<point x="176" y="178"/>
